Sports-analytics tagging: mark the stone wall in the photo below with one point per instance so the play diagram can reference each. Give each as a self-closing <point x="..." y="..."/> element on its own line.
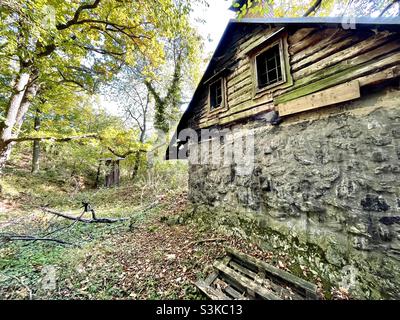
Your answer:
<point x="325" y="189"/>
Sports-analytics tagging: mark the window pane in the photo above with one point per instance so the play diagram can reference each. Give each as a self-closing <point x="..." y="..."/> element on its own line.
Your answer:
<point x="216" y="94"/>
<point x="269" y="67"/>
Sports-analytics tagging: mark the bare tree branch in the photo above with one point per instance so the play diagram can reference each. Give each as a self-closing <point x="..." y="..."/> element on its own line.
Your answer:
<point x="7" y="237"/>
<point x="313" y="8"/>
<point x="69" y="217"/>
<point x="55" y="139"/>
<point x="78" y="12"/>
<point x="124" y="155"/>
<point x="388" y="7"/>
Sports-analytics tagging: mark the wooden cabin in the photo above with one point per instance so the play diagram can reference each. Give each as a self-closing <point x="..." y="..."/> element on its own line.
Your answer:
<point x="321" y="98"/>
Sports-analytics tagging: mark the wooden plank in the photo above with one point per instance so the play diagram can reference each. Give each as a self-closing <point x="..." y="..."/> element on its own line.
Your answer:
<point x="242" y="94"/>
<point x="243" y="270"/>
<point x="340" y="56"/>
<point x="261" y="278"/>
<point x="258" y="37"/>
<point x="235" y="294"/>
<point x="243" y="84"/>
<point x="389" y="73"/>
<point x="363" y="58"/>
<point x="245" y="282"/>
<point x="345" y="75"/>
<point x="308" y="41"/>
<point x="211" y="293"/>
<point x="243" y="75"/>
<point x="309" y="288"/>
<point x="330" y="37"/>
<point x="337" y="94"/>
<point x="318" y="56"/>
<point x="300" y="35"/>
<point x="251" y="110"/>
<point x="262" y="41"/>
<point x="211" y="278"/>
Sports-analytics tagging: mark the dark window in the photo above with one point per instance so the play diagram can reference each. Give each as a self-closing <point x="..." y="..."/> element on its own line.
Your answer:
<point x="216" y="94"/>
<point x="269" y="67"/>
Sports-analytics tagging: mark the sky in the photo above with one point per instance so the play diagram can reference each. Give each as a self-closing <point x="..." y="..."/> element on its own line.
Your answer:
<point x="215" y="18"/>
<point x="210" y="21"/>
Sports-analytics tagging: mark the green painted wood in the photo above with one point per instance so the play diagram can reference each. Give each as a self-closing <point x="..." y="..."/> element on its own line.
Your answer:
<point x="338" y="78"/>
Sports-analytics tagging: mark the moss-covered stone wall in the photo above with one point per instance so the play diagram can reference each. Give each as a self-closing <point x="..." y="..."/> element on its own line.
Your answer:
<point x="325" y="189"/>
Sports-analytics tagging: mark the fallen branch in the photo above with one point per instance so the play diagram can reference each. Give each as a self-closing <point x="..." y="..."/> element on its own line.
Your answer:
<point x="97" y="220"/>
<point x="67" y="227"/>
<point x="203" y="241"/>
<point x="32" y="238"/>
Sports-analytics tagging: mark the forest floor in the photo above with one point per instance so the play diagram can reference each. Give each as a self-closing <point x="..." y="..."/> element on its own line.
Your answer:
<point x="150" y="256"/>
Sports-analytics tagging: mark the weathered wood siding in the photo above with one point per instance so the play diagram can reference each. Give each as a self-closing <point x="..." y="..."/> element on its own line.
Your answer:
<point x="320" y="58"/>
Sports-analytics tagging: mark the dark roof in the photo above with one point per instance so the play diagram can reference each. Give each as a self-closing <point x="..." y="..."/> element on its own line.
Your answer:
<point x="334" y="22"/>
<point x="324" y="21"/>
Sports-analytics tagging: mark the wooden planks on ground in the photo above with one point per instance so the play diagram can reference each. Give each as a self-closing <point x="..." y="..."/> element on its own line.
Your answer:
<point x="240" y="276"/>
<point x="308" y="289"/>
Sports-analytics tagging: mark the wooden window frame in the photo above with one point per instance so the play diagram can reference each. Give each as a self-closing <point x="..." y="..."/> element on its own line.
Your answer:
<point x="285" y="66"/>
<point x="223" y="106"/>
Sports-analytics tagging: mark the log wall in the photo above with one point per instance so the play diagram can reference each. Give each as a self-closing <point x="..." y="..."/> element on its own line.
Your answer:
<point x="319" y="58"/>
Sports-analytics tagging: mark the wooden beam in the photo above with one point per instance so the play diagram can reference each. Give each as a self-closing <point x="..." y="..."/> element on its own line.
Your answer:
<point x="341" y="55"/>
<point x="246" y="282"/>
<point x="351" y="73"/>
<point x="309" y="288"/>
<point x="211" y="293"/>
<point x="337" y="94"/>
<point x="375" y="78"/>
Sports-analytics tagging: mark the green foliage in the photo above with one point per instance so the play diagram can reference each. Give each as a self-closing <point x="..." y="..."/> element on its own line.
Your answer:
<point x="283" y="8"/>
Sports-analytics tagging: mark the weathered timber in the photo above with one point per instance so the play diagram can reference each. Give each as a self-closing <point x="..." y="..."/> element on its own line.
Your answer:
<point x="331" y="36"/>
<point x="245" y="81"/>
<point x="322" y="54"/>
<point x="336" y="94"/>
<point x="342" y="55"/>
<point x="309" y="41"/>
<point x="246" y="282"/>
<point x="210" y="292"/>
<point x="261" y="41"/>
<point x="378" y="77"/>
<point x="340" y="77"/>
<point x="300" y="35"/>
<point x="309" y="289"/>
<point x="242" y="94"/>
<point x="365" y="57"/>
<point x="244" y="76"/>
<point x="261" y="279"/>
<point x="255" y="38"/>
<point x="250" y="111"/>
<point x="235" y="294"/>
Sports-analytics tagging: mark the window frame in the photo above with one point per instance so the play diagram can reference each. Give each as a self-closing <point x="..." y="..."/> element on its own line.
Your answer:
<point x="260" y="48"/>
<point x="278" y="42"/>
<point x="223" y="105"/>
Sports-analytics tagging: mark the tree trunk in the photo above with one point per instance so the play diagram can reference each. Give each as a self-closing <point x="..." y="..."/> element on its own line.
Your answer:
<point x="36" y="145"/>
<point x="7" y="125"/>
<point x="14" y="105"/>
<point x="136" y="165"/>
<point x="25" y="90"/>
